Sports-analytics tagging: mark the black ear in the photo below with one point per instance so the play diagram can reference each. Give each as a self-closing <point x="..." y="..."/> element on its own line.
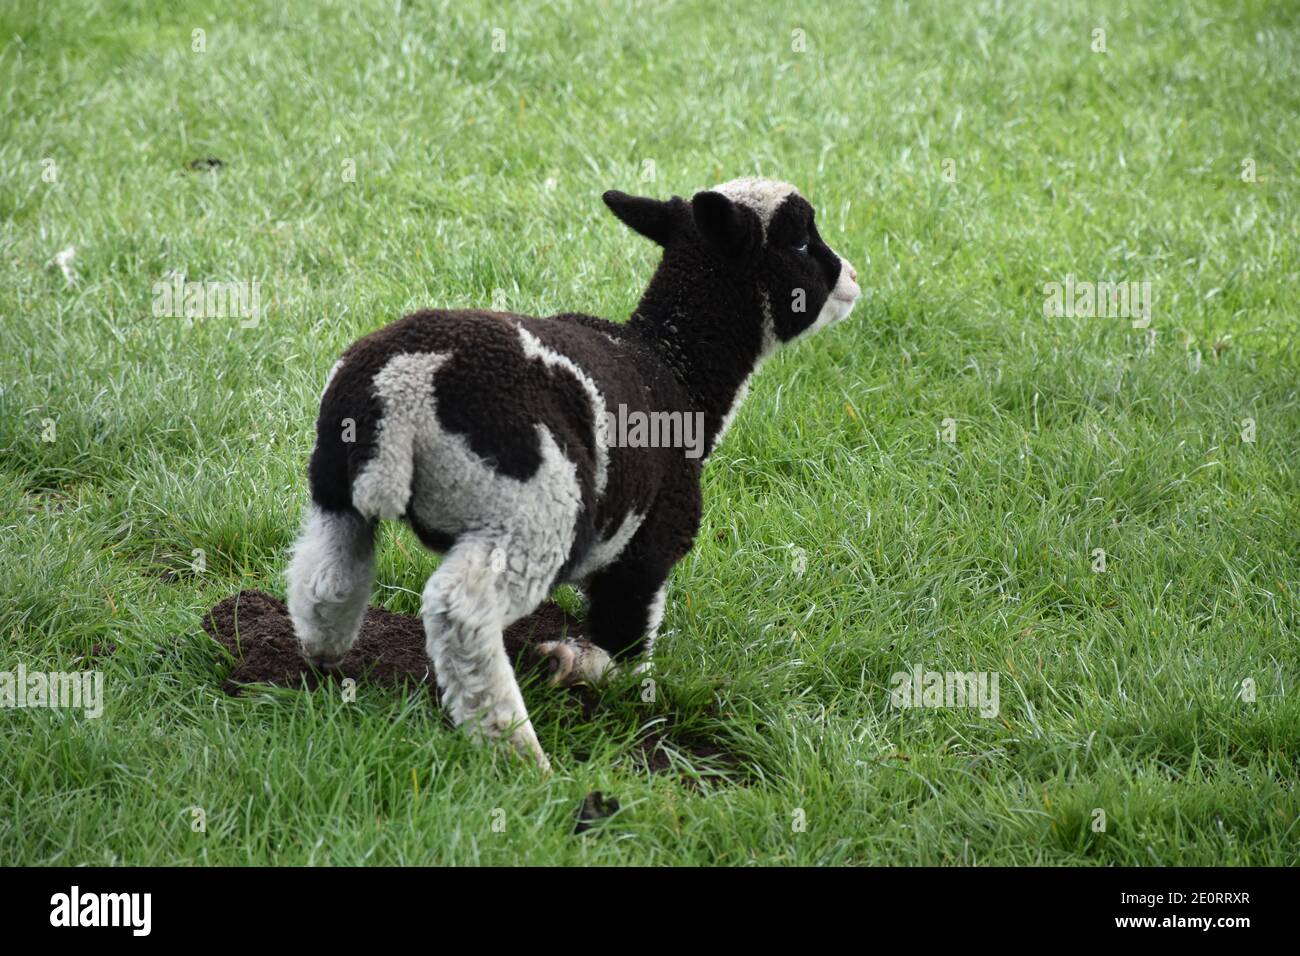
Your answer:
<point x="733" y="228"/>
<point x="658" y="221"/>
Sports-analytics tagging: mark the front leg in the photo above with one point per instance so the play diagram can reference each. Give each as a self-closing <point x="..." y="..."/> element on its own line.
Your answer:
<point x="626" y="608"/>
<point x="626" y="597"/>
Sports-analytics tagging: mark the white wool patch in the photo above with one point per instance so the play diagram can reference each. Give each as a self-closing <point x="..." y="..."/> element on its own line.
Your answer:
<point x="512" y="539"/>
<point x="737" y="400"/>
<point x="656" y="618"/>
<point x="405" y="390"/>
<point x="330" y="377"/>
<point x="420" y="465"/>
<point x="533" y="348"/>
<point x="764" y="196"/>
<point x="603" y="553"/>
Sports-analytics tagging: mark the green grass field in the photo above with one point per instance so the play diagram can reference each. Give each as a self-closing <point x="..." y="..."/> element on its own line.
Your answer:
<point x="382" y="157"/>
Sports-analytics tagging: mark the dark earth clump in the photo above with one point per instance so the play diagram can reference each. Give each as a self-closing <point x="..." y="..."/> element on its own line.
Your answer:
<point x="595" y="807"/>
<point x="255" y="628"/>
<point x="657" y="746"/>
<point x="98" y="652"/>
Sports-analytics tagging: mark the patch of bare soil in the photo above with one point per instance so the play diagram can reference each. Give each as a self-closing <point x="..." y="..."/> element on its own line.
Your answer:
<point x="255" y="628"/>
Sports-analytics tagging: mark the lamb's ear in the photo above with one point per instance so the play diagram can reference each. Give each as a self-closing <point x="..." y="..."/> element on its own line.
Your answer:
<point x="655" y="219"/>
<point x="733" y="228"/>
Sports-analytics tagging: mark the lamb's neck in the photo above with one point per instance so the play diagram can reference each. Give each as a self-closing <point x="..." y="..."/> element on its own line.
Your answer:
<point x="712" y="344"/>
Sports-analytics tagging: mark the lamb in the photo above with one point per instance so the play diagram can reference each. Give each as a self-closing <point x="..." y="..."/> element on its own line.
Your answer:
<point x="490" y="435"/>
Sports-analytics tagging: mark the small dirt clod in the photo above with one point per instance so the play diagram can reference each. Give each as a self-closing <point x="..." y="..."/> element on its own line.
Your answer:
<point x="595" y="807"/>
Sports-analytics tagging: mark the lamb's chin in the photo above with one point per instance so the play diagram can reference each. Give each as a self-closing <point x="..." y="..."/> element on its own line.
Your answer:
<point x="835" y="309"/>
<point x="844" y="308"/>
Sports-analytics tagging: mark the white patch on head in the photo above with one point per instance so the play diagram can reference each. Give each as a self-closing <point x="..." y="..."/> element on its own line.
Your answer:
<point x="604" y="553"/>
<point x="533" y="348"/>
<point x="764" y="196"/>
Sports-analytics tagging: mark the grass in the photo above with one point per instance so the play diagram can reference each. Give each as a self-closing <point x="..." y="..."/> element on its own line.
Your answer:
<point x="477" y="174"/>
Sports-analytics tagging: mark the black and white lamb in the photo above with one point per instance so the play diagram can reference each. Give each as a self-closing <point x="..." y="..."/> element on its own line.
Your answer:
<point x="492" y="435"/>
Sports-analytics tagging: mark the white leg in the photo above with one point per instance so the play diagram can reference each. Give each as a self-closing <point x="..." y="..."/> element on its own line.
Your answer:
<point x="329" y="583"/>
<point x="466" y="605"/>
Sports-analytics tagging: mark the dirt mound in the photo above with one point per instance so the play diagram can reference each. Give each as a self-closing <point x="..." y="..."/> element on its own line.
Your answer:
<point x="256" y="629"/>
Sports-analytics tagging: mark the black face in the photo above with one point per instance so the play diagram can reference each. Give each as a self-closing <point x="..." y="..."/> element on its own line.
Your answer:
<point x="800" y="275"/>
<point x="800" y="270"/>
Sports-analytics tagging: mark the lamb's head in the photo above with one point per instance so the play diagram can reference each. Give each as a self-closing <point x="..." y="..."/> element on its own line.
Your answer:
<point x="758" y="234"/>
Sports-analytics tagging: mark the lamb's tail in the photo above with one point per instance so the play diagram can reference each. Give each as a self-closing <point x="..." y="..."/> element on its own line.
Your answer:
<point x="361" y="464"/>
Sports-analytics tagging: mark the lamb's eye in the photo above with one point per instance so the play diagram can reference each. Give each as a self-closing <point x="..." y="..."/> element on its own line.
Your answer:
<point x="802" y="249"/>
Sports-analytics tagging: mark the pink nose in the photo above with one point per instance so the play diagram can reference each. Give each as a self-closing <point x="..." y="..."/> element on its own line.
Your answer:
<point x="853" y="273"/>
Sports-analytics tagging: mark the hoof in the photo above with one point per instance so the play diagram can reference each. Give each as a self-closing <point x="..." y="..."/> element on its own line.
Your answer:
<point x="561" y="659"/>
<point x="322" y="662"/>
<point x="576" y="662"/>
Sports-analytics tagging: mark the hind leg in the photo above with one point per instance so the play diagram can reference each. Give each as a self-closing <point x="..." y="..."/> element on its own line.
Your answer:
<point x="467" y="604"/>
<point x="329" y="583"/>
